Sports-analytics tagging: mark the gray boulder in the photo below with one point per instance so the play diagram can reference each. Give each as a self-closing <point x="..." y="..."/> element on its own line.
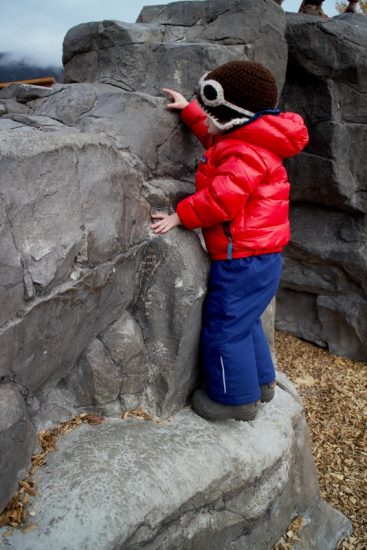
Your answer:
<point x="109" y="376"/>
<point x="77" y="231"/>
<point x="136" y="122"/>
<point x="323" y="297"/>
<point x="102" y="315"/>
<point x="124" y="344"/>
<point x="327" y="85"/>
<point x="167" y="306"/>
<point x="78" y="252"/>
<point x="24" y="92"/>
<point x="186" y="483"/>
<point x="171" y="46"/>
<point x="71" y="207"/>
<point x="147" y="357"/>
<point x="17" y="441"/>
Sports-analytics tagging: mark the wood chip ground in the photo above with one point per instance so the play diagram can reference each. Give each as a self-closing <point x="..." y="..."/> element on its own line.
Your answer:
<point x="334" y="393"/>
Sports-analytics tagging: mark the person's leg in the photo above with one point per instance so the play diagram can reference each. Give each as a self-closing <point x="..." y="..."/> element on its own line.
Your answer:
<point x="239" y="292"/>
<point x="225" y="345"/>
<point x="230" y="369"/>
<point x="264" y="363"/>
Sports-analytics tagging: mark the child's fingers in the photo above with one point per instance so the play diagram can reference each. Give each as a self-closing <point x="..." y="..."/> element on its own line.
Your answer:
<point x="160" y="215"/>
<point x="172" y="95"/>
<point x="164" y="228"/>
<point x="178" y="100"/>
<point x="169" y="92"/>
<point x="159" y="223"/>
<point x="156" y="225"/>
<point x="161" y="227"/>
<point x="165" y="222"/>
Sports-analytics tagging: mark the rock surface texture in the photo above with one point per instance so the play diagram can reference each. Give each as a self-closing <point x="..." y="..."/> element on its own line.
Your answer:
<point x="177" y="44"/>
<point x="187" y="484"/>
<point x="98" y="314"/>
<point x="17" y="439"/>
<point x="324" y="289"/>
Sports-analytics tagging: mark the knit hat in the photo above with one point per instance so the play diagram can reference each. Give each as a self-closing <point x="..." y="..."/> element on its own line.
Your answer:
<point x="314" y="2"/>
<point x="234" y="92"/>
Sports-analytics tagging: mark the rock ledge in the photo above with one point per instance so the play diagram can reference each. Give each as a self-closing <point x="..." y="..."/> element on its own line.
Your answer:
<point x="186" y="484"/>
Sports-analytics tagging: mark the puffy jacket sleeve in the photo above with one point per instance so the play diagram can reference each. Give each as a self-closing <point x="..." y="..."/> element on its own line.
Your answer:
<point x="236" y="178"/>
<point x="194" y="117"/>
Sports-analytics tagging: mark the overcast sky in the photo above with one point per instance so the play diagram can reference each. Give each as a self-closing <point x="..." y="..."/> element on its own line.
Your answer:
<point x="35" y="29"/>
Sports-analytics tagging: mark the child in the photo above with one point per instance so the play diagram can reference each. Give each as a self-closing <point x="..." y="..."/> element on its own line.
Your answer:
<point x="241" y="204"/>
<point x="312" y="7"/>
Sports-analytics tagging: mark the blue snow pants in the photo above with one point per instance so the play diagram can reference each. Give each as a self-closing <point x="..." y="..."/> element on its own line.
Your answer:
<point x="234" y="350"/>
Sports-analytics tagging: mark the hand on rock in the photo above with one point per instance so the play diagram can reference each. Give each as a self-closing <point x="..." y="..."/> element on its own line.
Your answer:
<point x="178" y="100"/>
<point x="165" y="223"/>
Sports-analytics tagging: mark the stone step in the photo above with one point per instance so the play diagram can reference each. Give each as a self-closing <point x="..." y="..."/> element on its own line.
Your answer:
<point x="183" y="484"/>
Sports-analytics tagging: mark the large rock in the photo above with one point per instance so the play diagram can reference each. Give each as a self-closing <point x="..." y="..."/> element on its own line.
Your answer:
<point x="323" y="297"/>
<point x="175" y="44"/>
<point x="78" y="247"/>
<point x="102" y="315"/>
<point x="72" y="205"/>
<point x="148" y="358"/>
<point x="324" y="286"/>
<point x="167" y="307"/>
<point x="136" y="122"/>
<point x="17" y="441"/>
<point x="327" y="85"/>
<point x="188" y="484"/>
<point x="78" y="250"/>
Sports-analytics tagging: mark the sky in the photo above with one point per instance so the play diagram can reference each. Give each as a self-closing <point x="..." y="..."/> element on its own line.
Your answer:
<point x="33" y="30"/>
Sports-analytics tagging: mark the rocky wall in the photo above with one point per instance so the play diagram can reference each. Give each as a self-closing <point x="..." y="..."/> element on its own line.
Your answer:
<point x="96" y="312"/>
<point x="323" y="297"/>
<point x="99" y="314"/>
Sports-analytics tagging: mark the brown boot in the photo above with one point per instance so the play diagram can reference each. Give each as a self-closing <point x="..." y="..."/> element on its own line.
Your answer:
<point x="211" y="410"/>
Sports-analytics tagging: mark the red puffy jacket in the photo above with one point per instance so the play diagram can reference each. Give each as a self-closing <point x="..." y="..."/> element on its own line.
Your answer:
<point x="242" y="188"/>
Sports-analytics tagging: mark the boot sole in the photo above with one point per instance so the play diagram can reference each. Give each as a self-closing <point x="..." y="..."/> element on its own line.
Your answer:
<point x="226" y="413"/>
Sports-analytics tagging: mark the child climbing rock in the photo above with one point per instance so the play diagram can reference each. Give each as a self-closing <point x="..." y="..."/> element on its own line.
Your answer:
<point x="241" y="204"/>
<point x="312" y="7"/>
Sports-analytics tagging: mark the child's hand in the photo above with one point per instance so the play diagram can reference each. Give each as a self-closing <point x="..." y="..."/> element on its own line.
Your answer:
<point x="165" y="223"/>
<point x="178" y="100"/>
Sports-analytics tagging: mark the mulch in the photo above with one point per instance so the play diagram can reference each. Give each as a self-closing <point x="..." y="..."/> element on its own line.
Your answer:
<point x="334" y="393"/>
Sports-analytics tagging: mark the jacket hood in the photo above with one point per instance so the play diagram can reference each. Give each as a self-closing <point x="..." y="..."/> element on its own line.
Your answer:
<point x="284" y="134"/>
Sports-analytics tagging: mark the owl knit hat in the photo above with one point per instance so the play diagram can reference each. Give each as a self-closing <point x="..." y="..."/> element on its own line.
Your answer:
<point x="234" y="92"/>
